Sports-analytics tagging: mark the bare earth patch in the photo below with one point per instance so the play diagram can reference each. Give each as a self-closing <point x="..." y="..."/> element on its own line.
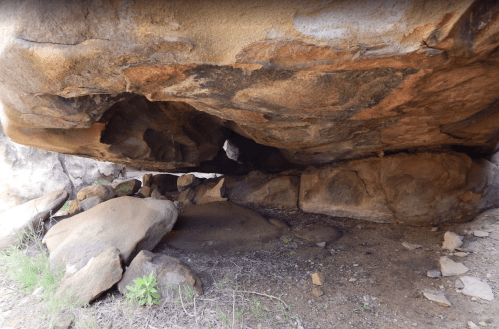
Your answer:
<point x="371" y="281"/>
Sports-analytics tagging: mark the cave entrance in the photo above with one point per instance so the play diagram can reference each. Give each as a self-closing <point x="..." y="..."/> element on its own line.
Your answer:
<point x="176" y="137"/>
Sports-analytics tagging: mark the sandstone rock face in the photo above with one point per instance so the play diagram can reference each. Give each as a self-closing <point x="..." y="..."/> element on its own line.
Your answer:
<point x="127" y="223"/>
<point x="165" y="85"/>
<point x="415" y="189"/>
<point x="317" y="82"/>
<point x="265" y="190"/>
<point x="167" y="270"/>
<point x="15" y="220"/>
<point x="98" y="275"/>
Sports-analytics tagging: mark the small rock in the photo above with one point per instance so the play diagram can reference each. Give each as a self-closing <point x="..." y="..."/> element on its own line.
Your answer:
<point x="411" y="246"/>
<point x="483" y="323"/>
<point x="187" y="181"/>
<point x="74" y="207"/>
<point x="437" y="296"/>
<point x="105" y="192"/>
<point x="63" y="321"/>
<point x="89" y="203"/>
<point x="434" y="229"/>
<point x="476" y="288"/>
<point x="472" y="325"/>
<point x="186" y="196"/>
<point x="317" y="292"/>
<point x="318" y="278"/>
<point x="452" y="241"/>
<point x="144" y="192"/>
<point x="321" y="244"/>
<point x="368" y="300"/>
<point x="352" y="280"/>
<point x="128" y="187"/>
<point x="480" y="234"/>
<point x="155" y="194"/>
<point x="461" y="254"/>
<point x="449" y="268"/>
<point x="433" y="274"/>
<point x="459" y="284"/>
<point x="147" y="180"/>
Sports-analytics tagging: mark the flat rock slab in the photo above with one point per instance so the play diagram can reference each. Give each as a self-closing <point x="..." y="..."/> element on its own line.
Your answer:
<point x="475" y="288"/>
<point x="319" y="233"/>
<point x="220" y="227"/>
<point x="449" y="268"/>
<point x="127" y="223"/>
<point x="17" y="219"/>
<point x="167" y="270"/>
<point x="100" y="274"/>
<point x="437" y="297"/>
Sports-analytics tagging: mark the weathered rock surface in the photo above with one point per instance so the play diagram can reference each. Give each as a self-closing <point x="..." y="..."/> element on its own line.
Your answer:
<point x="210" y="191"/>
<point x="128" y="187"/>
<point x="15" y="220"/>
<point x="127" y="223"/>
<point x="104" y="192"/>
<point x="449" y="268"/>
<point x="220" y="227"/>
<point x="167" y="270"/>
<point x="315" y="81"/>
<point x="437" y="297"/>
<point x="287" y="83"/>
<point x="28" y="173"/>
<point x="475" y="288"/>
<point x="422" y="189"/>
<point x="187" y="181"/>
<point x="98" y="275"/>
<point x="265" y="190"/>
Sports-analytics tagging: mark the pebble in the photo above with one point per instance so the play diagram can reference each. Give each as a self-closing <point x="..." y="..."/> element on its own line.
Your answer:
<point x="436" y="296"/>
<point x="476" y="288"/>
<point x="472" y="325"/>
<point x="461" y="254"/>
<point x="411" y="246"/>
<point x="480" y="234"/>
<point x="433" y="274"/>
<point x="452" y="241"/>
<point x="434" y="229"/>
<point x="321" y="244"/>
<point x="449" y="268"/>
<point x="318" y="278"/>
<point x="317" y="292"/>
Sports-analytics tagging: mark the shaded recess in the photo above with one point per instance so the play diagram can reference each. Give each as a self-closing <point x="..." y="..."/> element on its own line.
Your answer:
<point x="178" y="134"/>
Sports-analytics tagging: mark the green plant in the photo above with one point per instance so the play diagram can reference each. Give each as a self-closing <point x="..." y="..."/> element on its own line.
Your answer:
<point x="361" y="308"/>
<point x="65" y="206"/>
<point x="286" y="240"/>
<point x="144" y="291"/>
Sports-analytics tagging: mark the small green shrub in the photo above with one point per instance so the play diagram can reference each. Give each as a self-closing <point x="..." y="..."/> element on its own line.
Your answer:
<point x="144" y="291"/>
<point x="65" y="206"/>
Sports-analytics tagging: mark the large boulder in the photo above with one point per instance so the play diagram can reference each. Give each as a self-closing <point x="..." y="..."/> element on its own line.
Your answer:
<point x="104" y="192"/>
<point x="265" y="190"/>
<point x="127" y="223"/>
<point x="169" y="272"/>
<point x="421" y="189"/>
<point x="100" y="274"/>
<point x="319" y="82"/>
<point x="19" y="219"/>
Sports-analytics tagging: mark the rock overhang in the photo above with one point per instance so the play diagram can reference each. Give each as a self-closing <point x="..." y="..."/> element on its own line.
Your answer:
<point x="162" y="86"/>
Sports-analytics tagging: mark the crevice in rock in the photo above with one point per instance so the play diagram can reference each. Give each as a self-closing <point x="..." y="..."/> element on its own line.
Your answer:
<point x="180" y="138"/>
<point x="62" y="160"/>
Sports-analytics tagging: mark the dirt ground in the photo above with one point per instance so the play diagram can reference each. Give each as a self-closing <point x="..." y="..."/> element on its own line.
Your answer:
<point x="371" y="280"/>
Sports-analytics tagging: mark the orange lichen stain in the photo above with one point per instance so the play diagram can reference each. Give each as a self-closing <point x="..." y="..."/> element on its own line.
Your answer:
<point x="403" y="94"/>
<point x="151" y="78"/>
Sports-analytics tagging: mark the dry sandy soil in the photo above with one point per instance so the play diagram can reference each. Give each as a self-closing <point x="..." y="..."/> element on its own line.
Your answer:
<point x="371" y="280"/>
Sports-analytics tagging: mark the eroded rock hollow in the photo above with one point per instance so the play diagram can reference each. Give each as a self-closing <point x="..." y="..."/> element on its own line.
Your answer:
<point x="387" y="87"/>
